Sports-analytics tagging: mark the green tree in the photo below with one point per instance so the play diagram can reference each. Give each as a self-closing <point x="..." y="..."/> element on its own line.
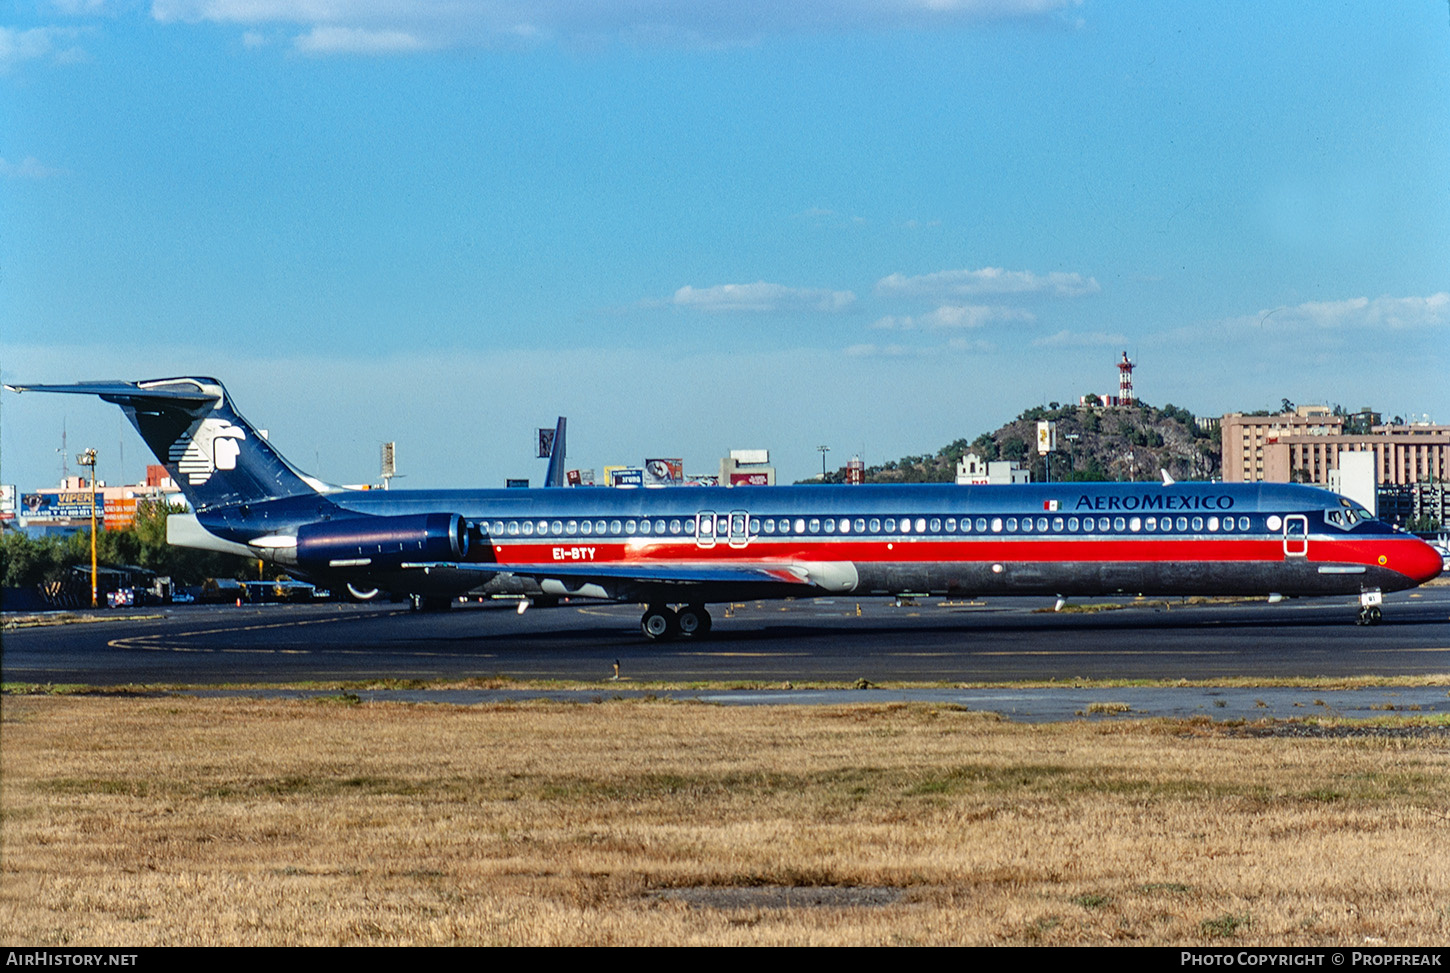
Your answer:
<point x="26" y="561"/>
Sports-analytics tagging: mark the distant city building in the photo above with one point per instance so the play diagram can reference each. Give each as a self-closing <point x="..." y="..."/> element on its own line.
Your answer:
<point x="1100" y="401"/>
<point x="1245" y="437"/>
<point x="1304" y="446"/>
<point x="856" y="471"/>
<point x="69" y="504"/>
<point x="747" y="467"/>
<point x="972" y="470"/>
<point x="1355" y="479"/>
<point x="1419" y="503"/>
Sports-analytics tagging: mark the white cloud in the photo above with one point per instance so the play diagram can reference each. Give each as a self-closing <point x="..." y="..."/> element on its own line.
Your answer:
<point x="952" y="316"/>
<point x="761" y="297"/>
<point x="955" y="346"/>
<point x="27" y="168"/>
<point x="1080" y="339"/>
<point x="988" y="280"/>
<point x="1362" y="313"/>
<point x="830" y="219"/>
<point x="265" y="11"/>
<point x="37" y="43"/>
<point x="79" y="7"/>
<point x="709" y="23"/>
<point x="355" y="40"/>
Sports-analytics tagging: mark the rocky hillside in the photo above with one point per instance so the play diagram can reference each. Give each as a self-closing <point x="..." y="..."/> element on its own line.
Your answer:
<point x="1113" y="443"/>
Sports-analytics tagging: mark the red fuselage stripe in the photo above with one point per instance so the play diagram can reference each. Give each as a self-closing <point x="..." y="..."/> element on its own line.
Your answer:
<point x="1377" y="551"/>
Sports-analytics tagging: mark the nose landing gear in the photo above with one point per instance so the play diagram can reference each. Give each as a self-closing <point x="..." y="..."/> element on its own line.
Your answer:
<point x="1369" y="607"/>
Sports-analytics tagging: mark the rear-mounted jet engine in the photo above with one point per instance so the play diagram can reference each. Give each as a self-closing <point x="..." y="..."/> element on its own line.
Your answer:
<point x="382" y="542"/>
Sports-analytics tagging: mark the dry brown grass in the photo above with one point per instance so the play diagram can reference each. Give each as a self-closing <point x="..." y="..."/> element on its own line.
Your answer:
<point x="190" y="821"/>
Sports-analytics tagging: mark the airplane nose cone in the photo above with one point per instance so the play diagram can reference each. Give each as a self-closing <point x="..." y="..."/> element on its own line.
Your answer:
<point x="1419" y="562"/>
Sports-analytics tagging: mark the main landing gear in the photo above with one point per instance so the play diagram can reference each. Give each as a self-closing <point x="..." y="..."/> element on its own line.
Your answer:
<point x="662" y="623"/>
<point x="1369" y="607"/>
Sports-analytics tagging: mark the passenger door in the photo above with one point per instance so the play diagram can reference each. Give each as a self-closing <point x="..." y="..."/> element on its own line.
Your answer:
<point x="1296" y="536"/>
<point x="705" y="529"/>
<point x="739" y="528"/>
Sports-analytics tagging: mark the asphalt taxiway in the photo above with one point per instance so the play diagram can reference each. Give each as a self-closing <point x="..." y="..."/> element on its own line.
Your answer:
<point x="841" y="640"/>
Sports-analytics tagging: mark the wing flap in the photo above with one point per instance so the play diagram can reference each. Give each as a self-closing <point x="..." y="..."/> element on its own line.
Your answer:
<point x="684" y="574"/>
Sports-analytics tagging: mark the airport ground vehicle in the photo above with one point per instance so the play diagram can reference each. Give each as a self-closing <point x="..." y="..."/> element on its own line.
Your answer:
<point x="677" y="550"/>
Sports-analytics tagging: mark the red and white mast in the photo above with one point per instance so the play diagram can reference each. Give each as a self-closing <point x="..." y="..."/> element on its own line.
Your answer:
<point x="1125" y="381"/>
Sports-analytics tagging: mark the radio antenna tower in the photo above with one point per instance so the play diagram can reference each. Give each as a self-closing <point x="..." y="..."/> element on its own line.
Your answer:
<point x="1125" y="381"/>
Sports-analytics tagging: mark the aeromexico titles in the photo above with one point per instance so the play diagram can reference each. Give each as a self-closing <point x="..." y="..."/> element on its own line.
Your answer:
<point x="677" y="550"/>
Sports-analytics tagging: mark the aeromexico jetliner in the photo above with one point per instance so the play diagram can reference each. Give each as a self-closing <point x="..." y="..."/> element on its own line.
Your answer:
<point x="675" y="550"/>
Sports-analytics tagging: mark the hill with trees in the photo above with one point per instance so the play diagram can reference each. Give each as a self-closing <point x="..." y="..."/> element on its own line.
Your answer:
<point x="1093" y="443"/>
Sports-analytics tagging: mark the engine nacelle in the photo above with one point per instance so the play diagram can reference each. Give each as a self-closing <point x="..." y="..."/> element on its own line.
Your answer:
<point x="382" y="542"/>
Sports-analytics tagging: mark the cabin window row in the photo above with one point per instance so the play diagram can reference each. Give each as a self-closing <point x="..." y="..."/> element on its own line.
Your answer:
<point x="878" y="526"/>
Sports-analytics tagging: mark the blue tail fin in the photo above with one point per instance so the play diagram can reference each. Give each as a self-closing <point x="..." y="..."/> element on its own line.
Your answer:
<point x="213" y="454"/>
<point x="555" y="475"/>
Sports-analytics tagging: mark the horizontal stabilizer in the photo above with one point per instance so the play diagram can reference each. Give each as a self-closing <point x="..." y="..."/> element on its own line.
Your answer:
<point x="118" y="392"/>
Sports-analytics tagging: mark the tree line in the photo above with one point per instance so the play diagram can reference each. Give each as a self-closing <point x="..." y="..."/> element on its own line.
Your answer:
<point x="29" y="561"/>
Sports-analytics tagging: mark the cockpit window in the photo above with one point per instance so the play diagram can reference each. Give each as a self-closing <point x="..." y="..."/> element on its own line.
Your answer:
<point x="1347" y="517"/>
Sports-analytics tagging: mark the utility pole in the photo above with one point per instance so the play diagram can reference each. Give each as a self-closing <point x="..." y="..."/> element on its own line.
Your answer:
<point x="823" y="451"/>
<point x="88" y="458"/>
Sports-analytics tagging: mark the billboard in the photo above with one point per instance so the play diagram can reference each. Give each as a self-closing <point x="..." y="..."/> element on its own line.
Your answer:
<point x="664" y="472"/>
<point x="626" y="477"/>
<point x="1046" y="437"/>
<point x="749" y="479"/>
<point x="120" y="512"/>
<point x="59" y="506"/>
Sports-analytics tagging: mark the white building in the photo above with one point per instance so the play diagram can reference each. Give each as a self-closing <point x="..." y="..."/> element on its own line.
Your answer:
<point x="972" y="470"/>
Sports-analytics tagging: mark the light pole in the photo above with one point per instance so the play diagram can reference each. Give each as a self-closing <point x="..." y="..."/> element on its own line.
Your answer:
<point x="88" y="458"/>
<point x="823" y="451"/>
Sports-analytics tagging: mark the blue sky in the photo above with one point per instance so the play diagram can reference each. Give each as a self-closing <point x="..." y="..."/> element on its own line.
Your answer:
<point x="693" y="227"/>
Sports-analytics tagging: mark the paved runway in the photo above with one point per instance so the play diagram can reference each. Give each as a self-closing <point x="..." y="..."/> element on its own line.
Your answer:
<point x="937" y="641"/>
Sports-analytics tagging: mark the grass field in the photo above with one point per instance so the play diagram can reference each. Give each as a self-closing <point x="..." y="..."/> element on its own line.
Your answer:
<point x="134" y="821"/>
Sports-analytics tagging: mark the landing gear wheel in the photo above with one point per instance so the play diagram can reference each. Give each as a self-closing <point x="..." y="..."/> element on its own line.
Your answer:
<point x="1370" y="616"/>
<point x="659" y="624"/>
<point x="361" y="594"/>
<point x="694" y="621"/>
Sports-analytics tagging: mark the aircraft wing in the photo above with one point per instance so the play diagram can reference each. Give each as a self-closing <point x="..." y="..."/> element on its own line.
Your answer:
<point x="650" y="574"/>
